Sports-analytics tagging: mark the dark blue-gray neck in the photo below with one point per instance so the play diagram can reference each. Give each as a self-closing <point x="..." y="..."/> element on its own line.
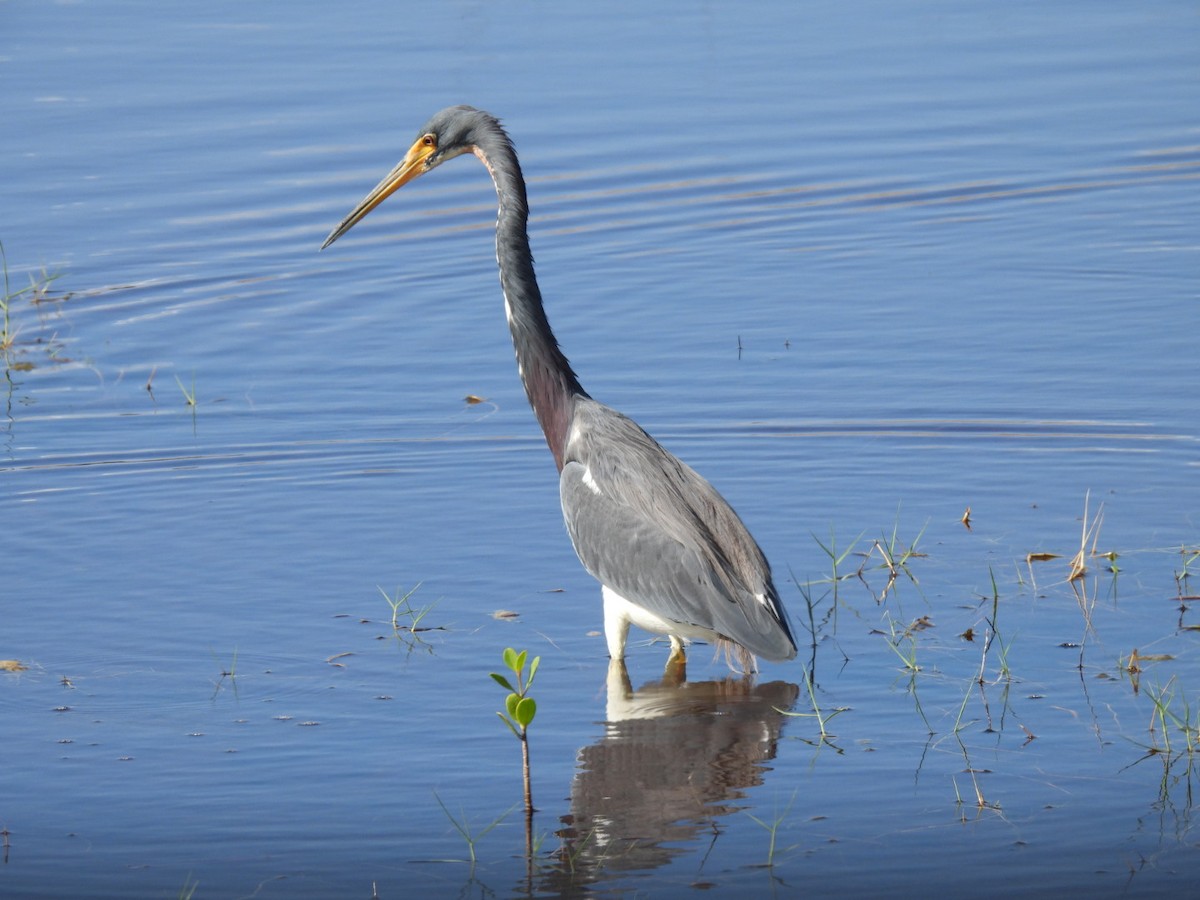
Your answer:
<point x="550" y="383"/>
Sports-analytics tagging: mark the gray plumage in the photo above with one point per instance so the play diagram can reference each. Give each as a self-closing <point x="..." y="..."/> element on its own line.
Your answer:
<point x="661" y="536"/>
<point x="653" y="532"/>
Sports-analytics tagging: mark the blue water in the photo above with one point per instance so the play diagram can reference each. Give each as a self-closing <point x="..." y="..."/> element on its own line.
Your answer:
<point x="862" y="266"/>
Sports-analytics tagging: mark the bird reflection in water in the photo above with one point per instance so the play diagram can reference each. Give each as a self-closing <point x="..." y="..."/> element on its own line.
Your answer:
<point x="675" y="757"/>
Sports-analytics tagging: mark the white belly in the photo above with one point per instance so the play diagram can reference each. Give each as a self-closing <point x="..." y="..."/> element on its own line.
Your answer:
<point x="620" y="613"/>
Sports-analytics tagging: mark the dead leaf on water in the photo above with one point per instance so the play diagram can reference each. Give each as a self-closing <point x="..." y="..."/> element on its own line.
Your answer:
<point x="473" y="399"/>
<point x="1041" y="557"/>
<point x="505" y="614"/>
<point x="12" y="665"/>
<point x="921" y="624"/>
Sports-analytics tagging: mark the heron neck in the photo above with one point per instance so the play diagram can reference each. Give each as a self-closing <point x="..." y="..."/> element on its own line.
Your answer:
<point x="550" y="383"/>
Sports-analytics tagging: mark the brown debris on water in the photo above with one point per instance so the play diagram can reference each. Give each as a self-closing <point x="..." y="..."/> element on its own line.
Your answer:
<point x="1041" y="557"/>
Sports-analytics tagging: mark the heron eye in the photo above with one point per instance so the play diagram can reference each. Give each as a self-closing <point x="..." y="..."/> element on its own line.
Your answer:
<point x="429" y="140"/>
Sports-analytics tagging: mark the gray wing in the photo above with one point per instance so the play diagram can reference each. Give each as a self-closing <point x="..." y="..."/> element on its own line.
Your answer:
<point x="658" y="534"/>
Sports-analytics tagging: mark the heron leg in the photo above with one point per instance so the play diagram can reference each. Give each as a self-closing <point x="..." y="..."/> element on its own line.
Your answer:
<point x="616" y="622"/>
<point x="618" y="683"/>
<point x="676" y="670"/>
<point x="678" y="650"/>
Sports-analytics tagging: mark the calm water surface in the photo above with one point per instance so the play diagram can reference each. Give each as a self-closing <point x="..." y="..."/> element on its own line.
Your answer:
<point x="865" y="267"/>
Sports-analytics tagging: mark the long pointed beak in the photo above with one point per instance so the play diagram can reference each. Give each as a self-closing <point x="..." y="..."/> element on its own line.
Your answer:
<point x="408" y="168"/>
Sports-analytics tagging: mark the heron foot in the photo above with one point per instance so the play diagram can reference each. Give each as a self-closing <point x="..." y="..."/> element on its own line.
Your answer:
<point x="676" y="670"/>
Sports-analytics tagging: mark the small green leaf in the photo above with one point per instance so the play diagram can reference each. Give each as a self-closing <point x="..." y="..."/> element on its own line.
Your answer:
<point x="501" y="680"/>
<point x="520" y="661"/>
<point x="511" y="726"/>
<point x="510" y="658"/>
<point x="526" y="710"/>
<point x="510" y="703"/>
<point x="533" y="667"/>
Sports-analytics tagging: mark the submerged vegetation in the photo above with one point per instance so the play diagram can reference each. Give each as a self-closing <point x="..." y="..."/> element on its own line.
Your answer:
<point x="403" y="609"/>
<point x="931" y="676"/>
<point x="30" y="336"/>
<point x="17" y="343"/>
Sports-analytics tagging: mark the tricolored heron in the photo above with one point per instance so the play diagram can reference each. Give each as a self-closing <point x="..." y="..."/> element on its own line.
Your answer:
<point x="671" y="555"/>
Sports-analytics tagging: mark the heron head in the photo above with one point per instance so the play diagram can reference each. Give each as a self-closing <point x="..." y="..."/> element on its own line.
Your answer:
<point x="452" y="132"/>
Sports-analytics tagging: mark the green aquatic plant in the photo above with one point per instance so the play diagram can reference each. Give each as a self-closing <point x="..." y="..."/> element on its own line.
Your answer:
<point x="895" y="557"/>
<point x="836" y="558"/>
<point x="992" y="634"/>
<point x="1173" y="713"/>
<point x="907" y="635"/>
<point x="230" y="673"/>
<point x="401" y="606"/>
<point x="568" y="858"/>
<point x="36" y="291"/>
<point x="189" y="395"/>
<point x="823" y="718"/>
<point x="188" y="891"/>
<point x="519" y="707"/>
<point x="6" y="338"/>
<point x="463" y="826"/>
<point x="1190" y="556"/>
<point x="908" y="656"/>
<point x="772" y="828"/>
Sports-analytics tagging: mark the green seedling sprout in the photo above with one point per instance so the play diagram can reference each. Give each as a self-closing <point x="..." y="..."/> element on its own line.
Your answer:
<point x="519" y="707"/>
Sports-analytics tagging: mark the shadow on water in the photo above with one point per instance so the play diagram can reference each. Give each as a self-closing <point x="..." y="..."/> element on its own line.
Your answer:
<point x="675" y="758"/>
